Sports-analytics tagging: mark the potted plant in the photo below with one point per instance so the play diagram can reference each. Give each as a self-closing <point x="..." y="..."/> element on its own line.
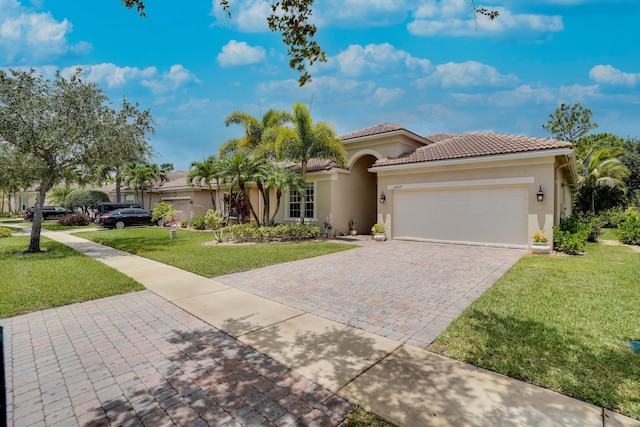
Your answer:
<point x="378" y="231"/>
<point x="352" y="227"/>
<point x="540" y="243"/>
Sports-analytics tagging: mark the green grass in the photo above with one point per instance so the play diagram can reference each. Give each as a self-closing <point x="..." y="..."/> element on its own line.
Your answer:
<point x="188" y="253"/>
<point x="609" y="234"/>
<point x="361" y="418"/>
<point x="55" y="226"/>
<point x="560" y="322"/>
<point x="60" y="276"/>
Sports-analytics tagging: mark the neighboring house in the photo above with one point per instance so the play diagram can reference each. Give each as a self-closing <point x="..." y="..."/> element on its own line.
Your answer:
<point x="20" y="201"/>
<point x="477" y="188"/>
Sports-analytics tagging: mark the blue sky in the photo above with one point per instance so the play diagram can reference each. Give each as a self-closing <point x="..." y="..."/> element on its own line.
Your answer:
<point x="422" y="64"/>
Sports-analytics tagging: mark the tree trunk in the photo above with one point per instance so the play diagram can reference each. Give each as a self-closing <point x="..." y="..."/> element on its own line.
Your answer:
<point x="248" y="201"/>
<point x="265" y="198"/>
<point x="593" y="201"/>
<point x="213" y="201"/>
<point x="272" y="221"/>
<point x="9" y="201"/>
<point x="303" y="208"/>
<point x="36" y="228"/>
<point x="118" y="185"/>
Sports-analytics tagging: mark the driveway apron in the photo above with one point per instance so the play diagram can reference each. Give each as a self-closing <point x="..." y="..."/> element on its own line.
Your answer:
<point x="406" y="291"/>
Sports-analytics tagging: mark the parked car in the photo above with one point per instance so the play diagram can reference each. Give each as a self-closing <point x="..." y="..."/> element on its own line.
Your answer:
<point x="105" y="207"/>
<point x="48" y="212"/>
<point x="121" y="218"/>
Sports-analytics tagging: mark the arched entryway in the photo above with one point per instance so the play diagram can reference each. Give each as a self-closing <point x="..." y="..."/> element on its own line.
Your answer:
<point x="363" y="193"/>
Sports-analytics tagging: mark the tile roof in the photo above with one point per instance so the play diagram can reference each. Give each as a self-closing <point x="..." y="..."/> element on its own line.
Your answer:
<point x="315" y="165"/>
<point x="377" y="130"/>
<point x="437" y="137"/>
<point x="474" y="144"/>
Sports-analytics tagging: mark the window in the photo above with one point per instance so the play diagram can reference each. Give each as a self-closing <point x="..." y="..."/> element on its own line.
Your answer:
<point x="296" y="203"/>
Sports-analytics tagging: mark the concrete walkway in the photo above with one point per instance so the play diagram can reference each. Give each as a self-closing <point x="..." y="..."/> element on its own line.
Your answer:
<point x="402" y="383"/>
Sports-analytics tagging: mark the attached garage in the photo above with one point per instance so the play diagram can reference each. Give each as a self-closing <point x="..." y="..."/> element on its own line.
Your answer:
<point x="485" y="215"/>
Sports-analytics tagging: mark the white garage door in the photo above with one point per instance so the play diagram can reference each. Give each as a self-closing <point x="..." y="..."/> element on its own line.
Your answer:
<point x="487" y="215"/>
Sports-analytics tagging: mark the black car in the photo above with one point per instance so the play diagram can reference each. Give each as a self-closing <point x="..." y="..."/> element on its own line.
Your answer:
<point x="49" y="212"/>
<point x="121" y="218"/>
<point x="105" y="207"/>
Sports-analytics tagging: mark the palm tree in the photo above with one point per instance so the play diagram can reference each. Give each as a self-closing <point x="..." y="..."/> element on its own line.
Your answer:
<point x="603" y="168"/>
<point x="239" y="168"/>
<point x="155" y="173"/>
<point x="135" y="175"/>
<point x="308" y="141"/>
<point x="254" y="131"/>
<point x="210" y="169"/>
<point x="283" y="179"/>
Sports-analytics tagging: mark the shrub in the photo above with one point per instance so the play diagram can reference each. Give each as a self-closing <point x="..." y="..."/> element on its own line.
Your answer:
<point x="211" y="220"/>
<point x="569" y="243"/>
<point x="282" y="233"/>
<point x="86" y="199"/>
<point x="629" y="227"/>
<point x="611" y="217"/>
<point x="583" y="222"/>
<point x="164" y="211"/>
<point x="75" y="220"/>
<point x="6" y="215"/>
<point x="184" y="223"/>
<point x="5" y="232"/>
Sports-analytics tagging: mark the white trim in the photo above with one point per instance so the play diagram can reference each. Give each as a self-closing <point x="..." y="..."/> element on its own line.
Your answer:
<point x="468" y="160"/>
<point x="468" y="183"/>
<point x="362" y="153"/>
<point x="302" y="208"/>
<point x="453" y="242"/>
<point x="404" y="132"/>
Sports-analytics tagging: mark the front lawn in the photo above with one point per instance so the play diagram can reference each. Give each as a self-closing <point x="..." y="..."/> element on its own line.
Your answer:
<point x="560" y="322"/>
<point x="60" y="276"/>
<point x="188" y="253"/>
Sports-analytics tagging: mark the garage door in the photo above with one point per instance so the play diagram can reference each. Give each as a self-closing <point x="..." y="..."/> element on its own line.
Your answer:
<point x="494" y="215"/>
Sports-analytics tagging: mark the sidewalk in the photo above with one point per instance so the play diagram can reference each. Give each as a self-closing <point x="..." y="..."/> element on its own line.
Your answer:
<point x="401" y="383"/>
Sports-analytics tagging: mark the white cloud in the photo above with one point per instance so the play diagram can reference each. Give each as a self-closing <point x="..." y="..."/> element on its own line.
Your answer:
<point x="177" y="77"/>
<point x="111" y="74"/>
<point x="526" y="95"/>
<point x="237" y="53"/>
<point x="360" y="13"/>
<point x="376" y="58"/>
<point x="466" y="74"/>
<point x="26" y="36"/>
<point x="610" y="75"/>
<point x="457" y="18"/>
<point x="248" y="16"/>
<point x="384" y="96"/>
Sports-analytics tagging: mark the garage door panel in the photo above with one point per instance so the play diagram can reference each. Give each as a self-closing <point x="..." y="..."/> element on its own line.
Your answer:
<point x="492" y="215"/>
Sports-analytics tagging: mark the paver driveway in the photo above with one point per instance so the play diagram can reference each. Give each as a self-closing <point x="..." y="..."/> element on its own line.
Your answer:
<point x="406" y="291"/>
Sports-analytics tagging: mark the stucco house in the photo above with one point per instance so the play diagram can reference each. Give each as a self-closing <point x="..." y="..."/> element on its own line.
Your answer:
<point x="475" y="188"/>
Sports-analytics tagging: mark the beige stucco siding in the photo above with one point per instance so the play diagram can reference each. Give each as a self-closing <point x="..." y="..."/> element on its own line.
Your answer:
<point x="532" y="173"/>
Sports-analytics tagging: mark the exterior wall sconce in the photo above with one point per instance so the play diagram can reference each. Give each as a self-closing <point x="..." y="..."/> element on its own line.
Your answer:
<point x="175" y="194"/>
<point x="540" y="194"/>
<point x="382" y="197"/>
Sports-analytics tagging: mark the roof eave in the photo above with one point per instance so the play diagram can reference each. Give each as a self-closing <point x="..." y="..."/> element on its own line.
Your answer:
<point x="404" y="132"/>
<point x="480" y="159"/>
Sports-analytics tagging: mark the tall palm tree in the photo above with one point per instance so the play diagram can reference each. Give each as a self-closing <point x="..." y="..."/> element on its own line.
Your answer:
<point x="254" y="131"/>
<point x="603" y="168"/>
<point x="306" y="141"/>
<point x="207" y="170"/>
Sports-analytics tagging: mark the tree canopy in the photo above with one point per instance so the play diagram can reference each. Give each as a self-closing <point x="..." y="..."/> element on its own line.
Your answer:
<point x="55" y="128"/>
<point x="570" y="122"/>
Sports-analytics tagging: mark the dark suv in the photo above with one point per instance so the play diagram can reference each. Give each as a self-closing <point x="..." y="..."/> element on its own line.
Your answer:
<point x="49" y="212"/>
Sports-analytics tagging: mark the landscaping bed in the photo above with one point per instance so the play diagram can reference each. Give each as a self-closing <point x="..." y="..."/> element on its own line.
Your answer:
<point x="560" y="322"/>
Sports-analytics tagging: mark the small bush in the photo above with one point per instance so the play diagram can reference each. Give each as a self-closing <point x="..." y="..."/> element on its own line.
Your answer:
<point x="211" y="220"/>
<point x="5" y="232"/>
<point x="629" y="227"/>
<point x="75" y="220"/>
<point x="6" y="215"/>
<point x="569" y="243"/>
<point x="164" y="211"/>
<point x="184" y="223"/>
<point x="583" y="222"/>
